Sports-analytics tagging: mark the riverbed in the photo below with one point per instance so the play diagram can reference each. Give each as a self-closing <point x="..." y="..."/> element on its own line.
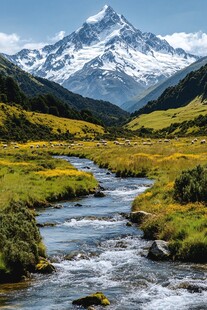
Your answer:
<point x="93" y="249"/>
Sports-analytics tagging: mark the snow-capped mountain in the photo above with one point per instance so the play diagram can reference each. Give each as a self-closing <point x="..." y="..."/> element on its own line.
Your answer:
<point x="107" y="58"/>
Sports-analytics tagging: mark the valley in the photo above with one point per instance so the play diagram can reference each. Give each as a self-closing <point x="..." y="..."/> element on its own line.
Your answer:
<point x="103" y="166"/>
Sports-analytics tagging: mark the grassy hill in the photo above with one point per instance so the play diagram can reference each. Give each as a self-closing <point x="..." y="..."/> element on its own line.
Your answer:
<point x="32" y="86"/>
<point x="161" y="119"/>
<point x="19" y="125"/>
<point x="193" y="85"/>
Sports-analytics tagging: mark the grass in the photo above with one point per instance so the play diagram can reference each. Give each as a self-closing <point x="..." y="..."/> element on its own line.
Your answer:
<point x="31" y="179"/>
<point x="55" y="125"/>
<point x="161" y="119"/>
<point x="183" y="225"/>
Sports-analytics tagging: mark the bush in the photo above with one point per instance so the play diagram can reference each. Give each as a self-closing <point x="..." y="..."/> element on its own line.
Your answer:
<point x="19" y="241"/>
<point x="191" y="186"/>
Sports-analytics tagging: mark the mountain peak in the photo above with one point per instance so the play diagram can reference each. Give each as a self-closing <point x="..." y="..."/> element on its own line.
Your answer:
<point x="106" y="11"/>
<point x="106" y="58"/>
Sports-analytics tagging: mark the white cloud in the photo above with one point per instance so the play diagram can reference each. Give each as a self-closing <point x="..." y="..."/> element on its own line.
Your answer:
<point x="58" y="36"/>
<point x="194" y="43"/>
<point x="12" y="43"/>
<point x="9" y="42"/>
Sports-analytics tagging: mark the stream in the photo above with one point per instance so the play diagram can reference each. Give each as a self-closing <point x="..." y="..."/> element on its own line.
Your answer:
<point x="94" y="250"/>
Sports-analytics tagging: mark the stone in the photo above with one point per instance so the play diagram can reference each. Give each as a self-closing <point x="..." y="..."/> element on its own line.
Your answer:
<point x="128" y="224"/>
<point x="78" y="205"/>
<point x="44" y="266"/>
<point x="94" y="299"/>
<point x="58" y="207"/>
<point x="76" y="256"/>
<point x="46" y="224"/>
<point x="159" y="250"/>
<point x="99" y="194"/>
<point x="91" y="308"/>
<point x="193" y="287"/>
<point x="139" y="216"/>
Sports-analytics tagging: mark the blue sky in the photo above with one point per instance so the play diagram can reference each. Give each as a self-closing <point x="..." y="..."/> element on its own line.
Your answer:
<point x="27" y="23"/>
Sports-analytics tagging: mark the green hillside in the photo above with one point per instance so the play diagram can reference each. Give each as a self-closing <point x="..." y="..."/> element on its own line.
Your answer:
<point x="161" y="119"/>
<point x="17" y="124"/>
<point x="31" y="86"/>
<point x="193" y="85"/>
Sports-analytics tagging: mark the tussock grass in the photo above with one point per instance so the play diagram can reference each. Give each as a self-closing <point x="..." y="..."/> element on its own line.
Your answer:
<point x="31" y="176"/>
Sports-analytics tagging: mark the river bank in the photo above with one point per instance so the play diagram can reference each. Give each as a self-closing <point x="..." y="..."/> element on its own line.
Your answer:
<point x="93" y="249"/>
<point x="31" y="176"/>
<point x="182" y="225"/>
<point x="29" y="180"/>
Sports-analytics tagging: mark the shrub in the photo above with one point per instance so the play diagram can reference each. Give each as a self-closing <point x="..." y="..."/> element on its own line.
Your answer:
<point x="191" y="185"/>
<point x="19" y="241"/>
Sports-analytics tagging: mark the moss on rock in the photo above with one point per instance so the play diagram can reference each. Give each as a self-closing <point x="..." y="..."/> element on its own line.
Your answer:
<point x="44" y="266"/>
<point x="94" y="299"/>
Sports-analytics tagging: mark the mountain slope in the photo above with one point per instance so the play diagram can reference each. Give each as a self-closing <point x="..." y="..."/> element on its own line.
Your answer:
<point x="155" y="91"/>
<point x="193" y="85"/>
<point x="17" y="124"/>
<point x="105" y="57"/>
<point x="31" y="86"/>
<point x="161" y="119"/>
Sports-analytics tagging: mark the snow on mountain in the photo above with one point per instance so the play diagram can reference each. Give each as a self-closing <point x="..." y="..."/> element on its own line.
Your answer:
<point x="107" y="58"/>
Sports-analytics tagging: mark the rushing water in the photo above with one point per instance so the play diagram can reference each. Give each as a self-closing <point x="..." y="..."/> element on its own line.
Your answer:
<point x="94" y="250"/>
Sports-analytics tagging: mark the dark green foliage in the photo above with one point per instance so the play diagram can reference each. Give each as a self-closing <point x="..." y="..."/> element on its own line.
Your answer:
<point x="19" y="240"/>
<point x="10" y="91"/>
<point x="191" y="185"/>
<point x="193" y="85"/>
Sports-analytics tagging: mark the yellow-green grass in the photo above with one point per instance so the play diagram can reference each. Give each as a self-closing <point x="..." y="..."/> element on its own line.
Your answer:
<point x="43" y="178"/>
<point x="162" y="119"/>
<point x="31" y="178"/>
<point x="184" y="226"/>
<point x="78" y="128"/>
<point x="34" y="178"/>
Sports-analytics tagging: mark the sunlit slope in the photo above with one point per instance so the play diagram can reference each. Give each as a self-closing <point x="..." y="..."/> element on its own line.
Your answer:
<point x="14" y="119"/>
<point x="162" y="119"/>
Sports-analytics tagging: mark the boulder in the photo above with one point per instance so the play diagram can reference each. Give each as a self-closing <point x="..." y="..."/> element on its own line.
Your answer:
<point x="94" y="299"/>
<point x="159" y="250"/>
<point x="44" y="266"/>
<point x="139" y="216"/>
<point x="99" y="194"/>
<point x="193" y="287"/>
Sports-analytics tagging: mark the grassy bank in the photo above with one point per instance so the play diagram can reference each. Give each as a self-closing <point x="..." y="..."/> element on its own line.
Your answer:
<point x="183" y="225"/>
<point x="31" y="178"/>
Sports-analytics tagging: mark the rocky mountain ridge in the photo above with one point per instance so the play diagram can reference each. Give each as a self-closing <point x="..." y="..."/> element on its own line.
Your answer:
<point x="106" y="58"/>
